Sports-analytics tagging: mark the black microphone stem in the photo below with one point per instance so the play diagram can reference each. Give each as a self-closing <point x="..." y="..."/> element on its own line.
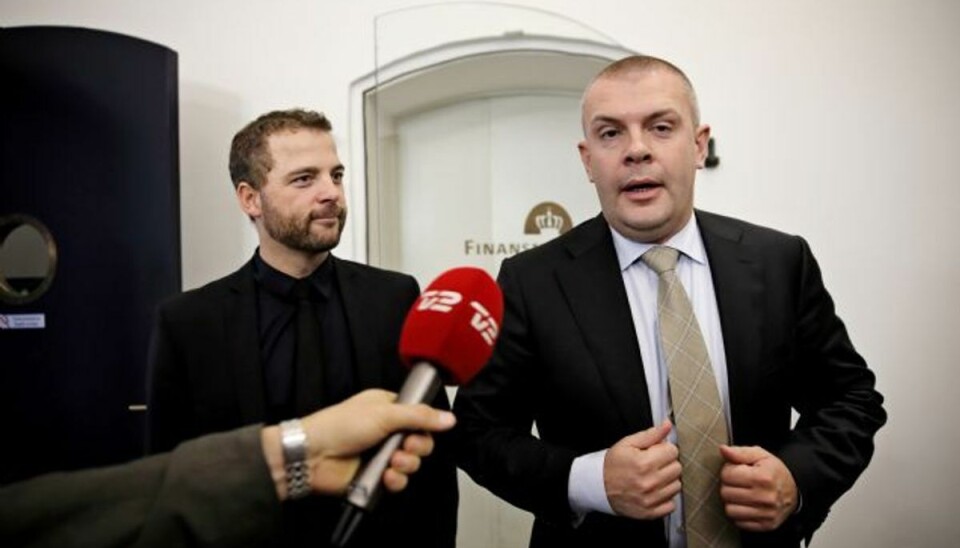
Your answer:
<point x="363" y="494"/>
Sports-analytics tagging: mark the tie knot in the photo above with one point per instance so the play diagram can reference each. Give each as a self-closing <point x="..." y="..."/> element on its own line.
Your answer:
<point x="661" y="258"/>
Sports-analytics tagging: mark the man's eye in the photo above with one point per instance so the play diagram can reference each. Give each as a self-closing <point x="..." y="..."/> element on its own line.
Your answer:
<point x="337" y="177"/>
<point x="302" y="180"/>
<point x="662" y="128"/>
<point x="608" y="133"/>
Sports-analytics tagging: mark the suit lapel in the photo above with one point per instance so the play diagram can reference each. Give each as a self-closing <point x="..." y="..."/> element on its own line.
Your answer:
<point x="738" y="284"/>
<point x="362" y="340"/>
<point x="593" y="286"/>
<point x="242" y="346"/>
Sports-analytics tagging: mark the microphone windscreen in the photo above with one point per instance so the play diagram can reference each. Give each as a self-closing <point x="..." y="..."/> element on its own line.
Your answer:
<point x="454" y="324"/>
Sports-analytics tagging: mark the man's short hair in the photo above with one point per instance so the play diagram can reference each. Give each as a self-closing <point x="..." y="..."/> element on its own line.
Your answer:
<point x="644" y="63"/>
<point x="250" y="159"/>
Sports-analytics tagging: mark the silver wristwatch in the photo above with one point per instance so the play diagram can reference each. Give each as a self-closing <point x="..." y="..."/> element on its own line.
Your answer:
<point x="294" y="442"/>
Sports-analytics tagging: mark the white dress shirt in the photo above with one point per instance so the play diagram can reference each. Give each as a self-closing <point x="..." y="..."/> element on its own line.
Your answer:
<point x="586" y="491"/>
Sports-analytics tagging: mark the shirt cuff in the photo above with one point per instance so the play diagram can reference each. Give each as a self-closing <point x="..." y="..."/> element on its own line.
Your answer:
<point x="585" y="489"/>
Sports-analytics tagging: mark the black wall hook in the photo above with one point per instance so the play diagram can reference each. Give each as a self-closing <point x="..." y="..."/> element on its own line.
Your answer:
<point x="712" y="160"/>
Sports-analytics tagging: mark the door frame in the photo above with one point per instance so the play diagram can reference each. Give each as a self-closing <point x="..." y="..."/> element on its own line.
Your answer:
<point x="442" y="75"/>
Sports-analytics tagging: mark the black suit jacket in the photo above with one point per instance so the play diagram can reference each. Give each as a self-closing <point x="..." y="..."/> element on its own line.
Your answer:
<point x="206" y="376"/>
<point x="568" y="358"/>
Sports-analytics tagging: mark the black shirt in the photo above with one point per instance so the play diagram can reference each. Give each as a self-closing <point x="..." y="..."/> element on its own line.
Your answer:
<point x="277" y="328"/>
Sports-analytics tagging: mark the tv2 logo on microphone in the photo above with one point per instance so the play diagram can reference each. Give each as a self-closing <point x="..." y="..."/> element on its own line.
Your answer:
<point x="442" y="300"/>
<point x="439" y="300"/>
<point x="484" y="323"/>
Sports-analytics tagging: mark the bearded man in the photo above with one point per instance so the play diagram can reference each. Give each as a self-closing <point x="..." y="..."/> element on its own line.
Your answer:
<point x="293" y="331"/>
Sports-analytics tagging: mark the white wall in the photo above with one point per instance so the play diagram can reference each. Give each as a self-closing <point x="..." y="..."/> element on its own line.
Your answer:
<point x="834" y="119"/>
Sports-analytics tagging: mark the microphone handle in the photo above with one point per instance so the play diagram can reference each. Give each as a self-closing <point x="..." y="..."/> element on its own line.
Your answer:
<point x="421" y="386"/>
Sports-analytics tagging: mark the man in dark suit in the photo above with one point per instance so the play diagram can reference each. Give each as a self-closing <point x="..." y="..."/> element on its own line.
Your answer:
<point x="294" y="330"/>
<point x="582" y="354"/>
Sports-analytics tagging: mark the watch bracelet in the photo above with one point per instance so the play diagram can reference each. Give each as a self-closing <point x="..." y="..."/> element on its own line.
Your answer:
<point x="294" y="442"/>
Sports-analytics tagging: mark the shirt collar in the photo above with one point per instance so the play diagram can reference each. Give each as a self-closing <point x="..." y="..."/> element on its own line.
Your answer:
<point x="281" y="284"/>
<point x="688" y="242"/>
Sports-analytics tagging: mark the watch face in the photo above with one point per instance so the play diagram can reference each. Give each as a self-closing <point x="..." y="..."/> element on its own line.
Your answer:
<point x="28" y="259"/>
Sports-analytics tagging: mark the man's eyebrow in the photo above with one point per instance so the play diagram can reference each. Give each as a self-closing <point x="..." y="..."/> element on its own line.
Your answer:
<point x="656" y="115"/>
<point x="667" y="112"/>
<point x="302" y="171"/>
<point x="604" y="119"/>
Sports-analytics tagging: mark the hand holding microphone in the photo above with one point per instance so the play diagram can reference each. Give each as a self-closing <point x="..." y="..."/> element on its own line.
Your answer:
<point x="337" y="435"/>
<point x="447" y="337"/>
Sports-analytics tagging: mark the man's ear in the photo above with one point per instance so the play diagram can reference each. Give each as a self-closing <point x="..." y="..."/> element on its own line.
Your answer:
<point x="703" y="140"/>
<point x="249" y="199"/>
<point x="585" y="158"/>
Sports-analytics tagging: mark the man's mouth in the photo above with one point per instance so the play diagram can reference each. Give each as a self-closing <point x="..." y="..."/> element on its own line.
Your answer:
<point x="641" y="187"/>
<point x="325" y="215"/>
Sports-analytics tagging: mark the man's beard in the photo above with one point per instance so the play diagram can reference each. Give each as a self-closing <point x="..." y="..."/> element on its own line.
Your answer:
<point x="295" y="233"/>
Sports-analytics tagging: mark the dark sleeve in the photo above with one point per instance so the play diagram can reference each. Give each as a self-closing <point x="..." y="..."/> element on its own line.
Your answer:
<point x="425" y="513"/>
<point x="212" y="491"/>
<point x="167" y="390"/>
<point x="495" y="416"/>
<point x="833" y="392"/>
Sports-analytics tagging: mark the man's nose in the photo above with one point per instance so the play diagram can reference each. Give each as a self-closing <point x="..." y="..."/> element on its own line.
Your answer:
<point x="637" y="149"/>
<point x="326" y="189"/>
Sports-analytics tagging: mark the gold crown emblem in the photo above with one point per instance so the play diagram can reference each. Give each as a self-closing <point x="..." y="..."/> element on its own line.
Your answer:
<point x="549" y="220"/>
<point x="547" y="216"/>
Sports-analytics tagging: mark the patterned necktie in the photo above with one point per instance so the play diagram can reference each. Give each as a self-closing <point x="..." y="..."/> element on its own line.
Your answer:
<point x="697" y="410"/>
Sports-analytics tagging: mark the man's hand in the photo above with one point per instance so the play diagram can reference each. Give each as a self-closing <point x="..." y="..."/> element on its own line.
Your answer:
<point x="641" y="474"/>
<point x="757" y="489"/>
<point x="336" y="436"/>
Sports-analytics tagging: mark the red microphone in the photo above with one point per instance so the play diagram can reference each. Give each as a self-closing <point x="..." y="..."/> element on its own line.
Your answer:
<point x="454" y="324"/>
<point x="447" y="337"/>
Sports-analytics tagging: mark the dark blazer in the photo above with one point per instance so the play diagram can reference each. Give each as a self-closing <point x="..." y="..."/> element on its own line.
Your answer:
<point x="206" y="376"/>
<point x="568" y="358"/>
<point x="161" y="501"/>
